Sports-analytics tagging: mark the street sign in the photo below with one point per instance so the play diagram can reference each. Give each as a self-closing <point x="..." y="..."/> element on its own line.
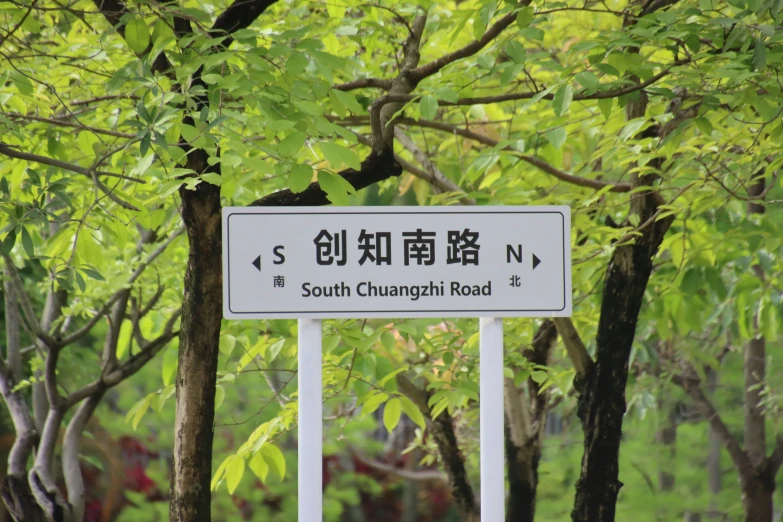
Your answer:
<point x="357" y="262"/>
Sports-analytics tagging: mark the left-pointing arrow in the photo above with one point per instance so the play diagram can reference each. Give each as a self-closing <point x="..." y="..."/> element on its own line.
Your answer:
<point x="257" y="263"/>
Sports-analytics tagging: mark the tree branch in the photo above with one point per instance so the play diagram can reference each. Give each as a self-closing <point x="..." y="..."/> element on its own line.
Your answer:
<point x="92" y="174"/>
<point x="63" y="123"/>
<point x="72" y="472"/>
<point x="406" y="474"/>
<point x="19" y="24"/>
<point x="442" y="431"/>
<point x="436" y="178"/>
<point x="532" y="160"/>
<point x="575" y="348"/>
<point x="420" y="73"/>
<point x="81" y="332"/>
<point x="365" y="83"/>
<point x="129" y="367"/>
<point x="375" y="168"/>
<point x="382" y="111"/>
<point x="24" y="301"/>
<point x="517" y="413"/>
<point x="116" y="317"/>
<point x="13" y="343"/>
<point x="239" y="15"/>
<point x="738" y="457"/>
<point x="26" y="436"/>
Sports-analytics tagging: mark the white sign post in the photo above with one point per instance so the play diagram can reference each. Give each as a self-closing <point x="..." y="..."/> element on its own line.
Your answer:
<point x="310" y="263"/>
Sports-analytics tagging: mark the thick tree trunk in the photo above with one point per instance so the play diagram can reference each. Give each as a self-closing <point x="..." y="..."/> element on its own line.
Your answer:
<point x="757" y="500"/>
<point x="198" y="352"/>
<point x="602" y="403"/>
<point x="756" y="492"/>
<point x="522" y="480"/>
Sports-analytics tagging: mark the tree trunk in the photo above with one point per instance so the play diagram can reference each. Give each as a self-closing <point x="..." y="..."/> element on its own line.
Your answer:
<point x="198" y="352"/>
<point x="757" y="500"/>
<point x="602" y="403"/>
<point x="525" y="425"/>
<point x="713" y="455"/>
<point x="667" y="436"/>
<point x="756" y="492"/>
<point x="522" y="479"/>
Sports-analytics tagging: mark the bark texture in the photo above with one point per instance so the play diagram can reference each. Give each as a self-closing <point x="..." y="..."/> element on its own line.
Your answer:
<point x="602" y="405"/>
<point x="526" y="416"/>
<point x="757" y="490"/>
<point x="198" y="352"/>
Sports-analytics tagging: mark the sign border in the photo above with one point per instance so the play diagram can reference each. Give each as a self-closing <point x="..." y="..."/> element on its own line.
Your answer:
<point x="243" y="211"/>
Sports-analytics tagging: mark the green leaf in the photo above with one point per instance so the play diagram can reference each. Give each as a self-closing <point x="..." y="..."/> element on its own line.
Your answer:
<point x="557" y="137"/>
<point x="516" y="51"/>
<point x="348" y="100"/>
<point x="220" y="395"/>
<point x="524" y="17"/>
<point x="337" y="155"/>
<point x="631" y="128"/>
<point x="588" y="80"/>
<point x="300" y="177"/>
<point x="311" y="108"/>
<point x="428" y="107"/>
<point x="274" y="350"/>
<point x="373" y="402"/>
<point x="391" y="414"/>
<point x="704" y="125"/>
<point x="259" y="466"/>
<point x="296" y="63"/>
<point x="562" y="99"/>
<point x="272" y="453"/>
<point x="234" y="472"/>
<point x="22" y="83"/>
<point x="137" y="35"/>
<point x="27" y="243"/>
<point x="413" y="412"/>
<point x="93" y="274"/>
<point x="605" y="104"/>
<point x="759" y="55"/>
<point x="447" y="94"/>
<point x="138" y="410"/>
<point x="291" y="144"/>
<point x="539" y="376"/>
<point x="227" y="343"/>
<point x="768" y="320"/>
<point x="389" y="376"/>
<point x="8" y="242"/>
<point x="387" y="340"/>
<point x="211" y="177"/>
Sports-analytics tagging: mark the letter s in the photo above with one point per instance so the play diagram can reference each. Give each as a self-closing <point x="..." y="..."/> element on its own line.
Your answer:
<point x="278" y="252"/>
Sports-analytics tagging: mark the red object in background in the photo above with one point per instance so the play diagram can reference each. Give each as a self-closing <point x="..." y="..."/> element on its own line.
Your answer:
<point x="135" y="457"/>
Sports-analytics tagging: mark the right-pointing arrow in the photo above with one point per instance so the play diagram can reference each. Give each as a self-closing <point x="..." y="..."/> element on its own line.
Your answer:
<point x="536" y="261"/>
<point x="257" y="263"/>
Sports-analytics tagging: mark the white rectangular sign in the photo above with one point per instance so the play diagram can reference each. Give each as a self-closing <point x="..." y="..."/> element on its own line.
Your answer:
<point x="356" y="262"/>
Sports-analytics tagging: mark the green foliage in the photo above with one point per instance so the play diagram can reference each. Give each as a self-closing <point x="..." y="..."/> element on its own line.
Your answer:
<point x="78" y="93"/>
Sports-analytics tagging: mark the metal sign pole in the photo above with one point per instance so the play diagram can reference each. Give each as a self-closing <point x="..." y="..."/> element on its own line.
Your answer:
<point x="310" y="421"/>
<point x="493" y="497"/>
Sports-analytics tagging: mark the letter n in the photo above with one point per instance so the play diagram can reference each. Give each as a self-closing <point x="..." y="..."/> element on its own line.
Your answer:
<point x="516" y="253"/>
